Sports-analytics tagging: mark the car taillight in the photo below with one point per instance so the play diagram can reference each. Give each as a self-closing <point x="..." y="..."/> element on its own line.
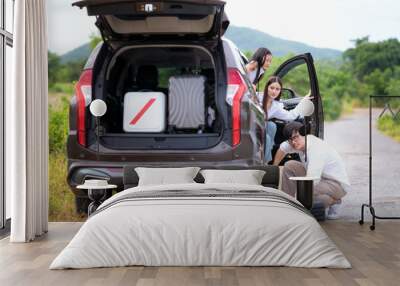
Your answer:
<point x="83" y="91"/>
<point x="236" y="90"/>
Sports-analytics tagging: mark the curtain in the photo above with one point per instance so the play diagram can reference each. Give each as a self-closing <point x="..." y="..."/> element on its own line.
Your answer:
<point x="27" y="123"/>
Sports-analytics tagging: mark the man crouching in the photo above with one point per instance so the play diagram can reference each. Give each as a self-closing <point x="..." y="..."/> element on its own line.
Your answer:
<point x="321" y="161"/>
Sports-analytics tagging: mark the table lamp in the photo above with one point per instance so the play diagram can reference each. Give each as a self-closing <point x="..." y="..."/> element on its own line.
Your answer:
<point x="98" y="108"/>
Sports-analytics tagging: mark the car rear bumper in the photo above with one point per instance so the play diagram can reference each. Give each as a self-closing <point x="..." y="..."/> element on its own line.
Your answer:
<point x="78" y="171"/>
<point x="86" y="163"/>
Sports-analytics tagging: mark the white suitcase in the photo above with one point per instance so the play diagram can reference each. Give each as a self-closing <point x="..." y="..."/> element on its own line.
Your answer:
<point x="144" y="112"/>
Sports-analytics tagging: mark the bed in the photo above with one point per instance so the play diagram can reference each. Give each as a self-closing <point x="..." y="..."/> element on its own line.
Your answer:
<point x="201" y="224"/>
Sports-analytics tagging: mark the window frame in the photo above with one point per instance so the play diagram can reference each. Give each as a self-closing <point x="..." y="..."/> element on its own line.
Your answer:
<point x="6" y="39"/>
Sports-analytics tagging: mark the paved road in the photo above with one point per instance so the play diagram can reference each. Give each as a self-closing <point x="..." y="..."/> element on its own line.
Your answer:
<point x="350" y="136"/>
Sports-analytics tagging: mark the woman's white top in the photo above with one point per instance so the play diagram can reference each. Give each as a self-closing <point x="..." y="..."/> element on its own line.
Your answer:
<point x="278" y="111"/>
<point x="252" y="74"/>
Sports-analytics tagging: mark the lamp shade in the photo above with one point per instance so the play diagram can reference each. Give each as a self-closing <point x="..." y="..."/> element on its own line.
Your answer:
<point x="305" y="107"/>
<point x="98" y="107"/>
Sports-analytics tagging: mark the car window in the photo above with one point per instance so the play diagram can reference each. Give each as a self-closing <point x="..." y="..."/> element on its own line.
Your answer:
<point x="164" y="74"/>
<point x="238" y="57"/>
<point x="296" y="82"/>
<point x="242" y="59"/>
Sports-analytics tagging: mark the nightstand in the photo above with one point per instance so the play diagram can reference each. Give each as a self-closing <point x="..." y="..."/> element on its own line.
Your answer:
<point x="305" y="189"/>
<point x="97" y="192"/>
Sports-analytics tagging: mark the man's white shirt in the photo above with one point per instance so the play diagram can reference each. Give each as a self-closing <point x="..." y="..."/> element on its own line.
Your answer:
<point x="322" y="161"/>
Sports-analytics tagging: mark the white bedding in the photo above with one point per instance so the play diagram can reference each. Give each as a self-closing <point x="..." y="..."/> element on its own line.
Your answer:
<point x="188" y="230"/>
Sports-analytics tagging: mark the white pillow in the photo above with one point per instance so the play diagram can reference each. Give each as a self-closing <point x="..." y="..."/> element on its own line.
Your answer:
<point x="248" y="177"/>
<point x="166" y="176"/>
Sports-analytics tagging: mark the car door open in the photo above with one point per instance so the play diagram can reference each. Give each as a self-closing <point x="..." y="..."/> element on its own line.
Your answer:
<point x="300" y="79"/>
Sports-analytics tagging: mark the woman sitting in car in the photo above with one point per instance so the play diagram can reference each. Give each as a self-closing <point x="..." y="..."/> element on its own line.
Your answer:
<point x="275" y="109"/>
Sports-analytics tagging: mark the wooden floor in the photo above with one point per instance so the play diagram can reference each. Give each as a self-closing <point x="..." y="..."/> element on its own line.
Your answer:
<point x="374" y="255"/>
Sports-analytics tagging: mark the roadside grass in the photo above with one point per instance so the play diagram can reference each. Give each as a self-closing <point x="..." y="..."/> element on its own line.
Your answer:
<point x="348" y="105"/>
<point x="61" y="199"/>
<point x="62" y="87"/>
<point x="390" y="127"/>
<point x="57" y="92"/>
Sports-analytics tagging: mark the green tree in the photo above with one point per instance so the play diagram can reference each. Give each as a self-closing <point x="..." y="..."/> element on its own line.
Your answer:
<point x="54" y="65"/>
<point x="94" y="40"/>
<point x="378" y="80"/>
<point x="393" y="85"/>
<point x="367" y="57"/>
<point x="58" y="127"/>
<point x="73" y="70"/>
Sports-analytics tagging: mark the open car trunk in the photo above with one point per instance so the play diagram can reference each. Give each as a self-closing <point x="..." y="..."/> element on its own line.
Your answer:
<point x="137" y="19"/>
<point x="159" y="97"/>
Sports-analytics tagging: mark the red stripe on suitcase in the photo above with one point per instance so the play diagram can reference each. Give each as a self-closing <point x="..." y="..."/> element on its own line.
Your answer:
<point x="142" y="111"/>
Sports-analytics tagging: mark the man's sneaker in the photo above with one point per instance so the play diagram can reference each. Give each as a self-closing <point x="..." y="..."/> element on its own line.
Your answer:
<point x="318" y="211"/>
<point x="333" y="211"/>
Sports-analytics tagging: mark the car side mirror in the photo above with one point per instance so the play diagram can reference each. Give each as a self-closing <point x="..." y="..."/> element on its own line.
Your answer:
<point x="287" y="93"/>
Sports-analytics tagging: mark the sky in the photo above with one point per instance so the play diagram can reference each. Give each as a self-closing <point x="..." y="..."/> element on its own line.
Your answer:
<point x="320" y="23"/>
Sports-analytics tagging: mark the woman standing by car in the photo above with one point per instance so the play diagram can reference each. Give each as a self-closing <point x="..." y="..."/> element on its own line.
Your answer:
<point x="275" y="109"/>
<point x="258" y="64"/>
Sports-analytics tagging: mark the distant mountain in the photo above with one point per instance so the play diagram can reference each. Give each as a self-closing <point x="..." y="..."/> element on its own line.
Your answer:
<point x="79" y="53"/>
<point x="246" y="39"/>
